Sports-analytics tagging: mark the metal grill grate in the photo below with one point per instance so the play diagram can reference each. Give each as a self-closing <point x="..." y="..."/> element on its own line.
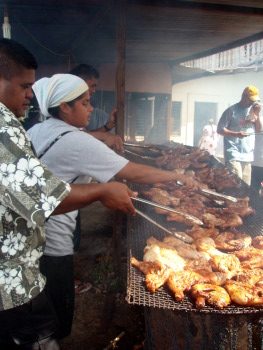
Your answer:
<point x="139" y="230"/>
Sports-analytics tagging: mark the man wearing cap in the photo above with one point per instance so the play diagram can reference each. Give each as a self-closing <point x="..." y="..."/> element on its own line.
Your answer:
<point x="237" y="126"/>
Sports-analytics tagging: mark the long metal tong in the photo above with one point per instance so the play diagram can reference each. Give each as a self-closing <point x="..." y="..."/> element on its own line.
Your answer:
<point x="188" y="216"/>
<point x="219" y="195"/>
<point x="182" y="238"/>
<point x="213" y="193"/>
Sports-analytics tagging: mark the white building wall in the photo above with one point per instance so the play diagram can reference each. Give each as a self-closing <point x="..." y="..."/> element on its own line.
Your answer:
<point x="224" y="90"/>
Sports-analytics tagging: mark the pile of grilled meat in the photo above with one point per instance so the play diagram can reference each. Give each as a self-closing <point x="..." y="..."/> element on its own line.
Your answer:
<point x="223" y="265"/>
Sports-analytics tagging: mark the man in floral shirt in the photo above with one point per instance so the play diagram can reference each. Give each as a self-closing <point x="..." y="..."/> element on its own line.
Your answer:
<point x="29" y="194"/>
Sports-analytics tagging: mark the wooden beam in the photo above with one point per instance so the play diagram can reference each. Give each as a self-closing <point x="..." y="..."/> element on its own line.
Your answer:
<point x="120" y="104"/>
<point x="120" y="66"/>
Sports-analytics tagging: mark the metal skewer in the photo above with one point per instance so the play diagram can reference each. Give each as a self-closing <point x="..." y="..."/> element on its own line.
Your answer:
<point x="188" y="216"/>
<point x="182" y="238"/>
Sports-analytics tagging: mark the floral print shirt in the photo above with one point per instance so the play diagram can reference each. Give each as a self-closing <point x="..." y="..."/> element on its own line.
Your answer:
<point x="29" y="193"/>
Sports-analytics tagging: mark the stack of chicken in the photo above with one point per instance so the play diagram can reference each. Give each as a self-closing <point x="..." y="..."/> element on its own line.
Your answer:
<point x="222" y="265"/>
<point x="202" y="269"/>
<point x="213" y="212"/>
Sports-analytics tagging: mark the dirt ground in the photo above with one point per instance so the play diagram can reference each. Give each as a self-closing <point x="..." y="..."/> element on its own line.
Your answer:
<point x="102" y="314"/>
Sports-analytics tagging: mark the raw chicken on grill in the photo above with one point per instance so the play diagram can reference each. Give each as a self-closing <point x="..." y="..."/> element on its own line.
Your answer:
<point x="209" y="293"/>
<point x="186" y="251"/>
<point x="168" y="257"/>
<point x="244" y="294"/>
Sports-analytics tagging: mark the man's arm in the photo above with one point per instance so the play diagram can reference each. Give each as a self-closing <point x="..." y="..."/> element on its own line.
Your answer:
<point x="238" y="134"/>
<point x="113" y="141"/>
<point x="146" y="174"/>
<point x="112" y="195"/>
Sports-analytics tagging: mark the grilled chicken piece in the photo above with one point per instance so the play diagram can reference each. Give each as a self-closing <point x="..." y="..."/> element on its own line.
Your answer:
<point x="241" y="203"/>
<point x="220" y="278"/>
<point x="207" y="240"/>
<point x="182" y="281"/>
<point x="155" y="281"/>
<point x="211" y="294"/>
<point x="156" y="273"/>
<point x="252" y="263"/>
<point x="168" y="257"/>
<point x="232" y="241"/>
<point x="189" y="252"/>
<point x="252" y="277"/>
<point x="248" y="253"/>
<point x="173" y="241"/>
<point x="148" y="267"/>
<point x="173" y="244"/>
<point x="220" y="261"/>
<point x="211" y="220"/>
<point x="198" y="232"/>
<point x="257" y="242"/>
<point x="179" y="218"/>
<point x="240" y="211"/>
<point x="244" y="294"/>
<point x="162" y="197"/>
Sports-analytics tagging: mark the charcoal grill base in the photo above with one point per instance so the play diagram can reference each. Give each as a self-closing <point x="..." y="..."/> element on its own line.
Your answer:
<point x="180" y="330"/>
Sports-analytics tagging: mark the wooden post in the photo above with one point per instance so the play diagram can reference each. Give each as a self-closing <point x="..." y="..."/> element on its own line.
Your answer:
<point x="120" y="104"/>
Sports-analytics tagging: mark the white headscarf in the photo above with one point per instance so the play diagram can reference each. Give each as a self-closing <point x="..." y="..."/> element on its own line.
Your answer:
<point x="51" y="92"/>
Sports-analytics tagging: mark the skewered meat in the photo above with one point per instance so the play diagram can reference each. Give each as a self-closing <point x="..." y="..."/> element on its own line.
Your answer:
<point x="168" y="257"/>
<point x="214" y="295"/>
<point x="181" y="281"/>
<point x="257" y="242"/>
<point x="220" y="261"/>
<point x="244" y="294"/>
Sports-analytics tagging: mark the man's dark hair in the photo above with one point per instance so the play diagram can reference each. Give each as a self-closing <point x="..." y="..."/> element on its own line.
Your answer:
<point x="13" y="57"/>
<point x="85" y="71"/>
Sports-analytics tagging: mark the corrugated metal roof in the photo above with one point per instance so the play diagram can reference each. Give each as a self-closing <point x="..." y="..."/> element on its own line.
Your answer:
<point x="156" y="31"/>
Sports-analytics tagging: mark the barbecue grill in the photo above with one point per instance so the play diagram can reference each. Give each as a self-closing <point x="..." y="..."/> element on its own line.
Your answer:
<point x="180" y="325"/>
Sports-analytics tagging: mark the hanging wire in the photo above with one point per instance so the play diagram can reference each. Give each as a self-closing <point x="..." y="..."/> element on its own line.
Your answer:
<point x="43" y="46"/>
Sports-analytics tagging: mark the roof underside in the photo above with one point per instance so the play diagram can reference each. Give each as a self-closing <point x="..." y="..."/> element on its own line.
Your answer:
<point x="171" y="32"/>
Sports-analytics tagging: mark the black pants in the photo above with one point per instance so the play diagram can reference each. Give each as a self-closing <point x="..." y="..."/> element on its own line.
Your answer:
<point x="29" y="326"/>
<point x="256" y="177"/>
<point x="60" y="287"/>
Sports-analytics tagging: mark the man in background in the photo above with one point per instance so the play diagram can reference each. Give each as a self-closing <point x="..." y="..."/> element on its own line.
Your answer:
<point x="238" y="128"/>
